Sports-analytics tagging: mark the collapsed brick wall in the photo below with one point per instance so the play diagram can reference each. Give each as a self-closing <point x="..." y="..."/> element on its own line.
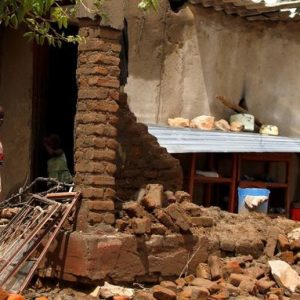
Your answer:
<point x="96" y="123"/>
<point x="141" y="160"/>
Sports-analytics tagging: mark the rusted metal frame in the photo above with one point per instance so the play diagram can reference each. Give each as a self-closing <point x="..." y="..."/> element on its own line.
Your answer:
<point x="27" y="239"/>
<point x="63" y="219"/>
<point x="24" y="232"/>
<point x="28" y="253"/>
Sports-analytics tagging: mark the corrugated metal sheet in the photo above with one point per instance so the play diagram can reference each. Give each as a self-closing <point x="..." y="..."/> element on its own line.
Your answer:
<point x="188" y="140"/>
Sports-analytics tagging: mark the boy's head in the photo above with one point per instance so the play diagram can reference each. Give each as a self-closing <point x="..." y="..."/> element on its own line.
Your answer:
<point x="53" y="141"/>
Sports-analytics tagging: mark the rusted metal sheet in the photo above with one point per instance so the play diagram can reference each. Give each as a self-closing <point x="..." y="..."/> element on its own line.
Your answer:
<point x="27" y="237"/>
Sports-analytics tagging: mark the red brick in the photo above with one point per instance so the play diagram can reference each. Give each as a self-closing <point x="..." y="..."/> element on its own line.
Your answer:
<point x="94" y="105"/>
<point x="109" y="193"/>
<point x="86" y="166"/>
<point x="94" y="180"/>
<point x="3" y="294"/>
<point x="283" y="242"/>
<point x="106" y="82"/>
<point x="162" y="293"/>
<point x="99" y="205"/>
<point x="236" y="279"/>
<point x="102" y="58"/>
<point x="141" y="225"/>
<point x="264" y="286"/>
<point x="92" y="93"/>
<point x="288" y="256"/>
<point x="215" y="267"/>
<point x="96" y="129"/>
<point x="90" y="192"/>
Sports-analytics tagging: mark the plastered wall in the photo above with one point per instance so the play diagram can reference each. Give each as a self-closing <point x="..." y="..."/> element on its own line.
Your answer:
<point x="16" y="98"/>
<point x="180" y="62"/>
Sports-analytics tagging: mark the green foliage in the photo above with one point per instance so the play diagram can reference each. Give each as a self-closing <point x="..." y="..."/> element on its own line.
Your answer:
<point x="46" y="19"/>
<point x="42" y="18"/>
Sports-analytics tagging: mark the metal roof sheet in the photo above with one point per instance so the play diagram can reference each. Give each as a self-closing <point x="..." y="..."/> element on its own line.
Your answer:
<point x="189" y="140"/>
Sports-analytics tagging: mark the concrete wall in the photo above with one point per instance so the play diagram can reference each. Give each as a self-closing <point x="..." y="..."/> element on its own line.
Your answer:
<point x="180" y="62"/>
<point x="16" y="69"/>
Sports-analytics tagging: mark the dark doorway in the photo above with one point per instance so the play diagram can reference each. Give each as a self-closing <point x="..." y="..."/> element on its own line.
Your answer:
<point x="54" y="103"/>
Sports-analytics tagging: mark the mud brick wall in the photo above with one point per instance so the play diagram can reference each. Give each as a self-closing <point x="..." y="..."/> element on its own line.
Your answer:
<point x="140" y="159"/>
<point x="96" y="121"/>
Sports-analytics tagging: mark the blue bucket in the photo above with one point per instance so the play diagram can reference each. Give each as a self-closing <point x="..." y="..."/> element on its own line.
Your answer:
<point x="243" y="192"/>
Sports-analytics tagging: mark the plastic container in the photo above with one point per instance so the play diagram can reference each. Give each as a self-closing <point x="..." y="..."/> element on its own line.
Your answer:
<point x="243" y="192"/>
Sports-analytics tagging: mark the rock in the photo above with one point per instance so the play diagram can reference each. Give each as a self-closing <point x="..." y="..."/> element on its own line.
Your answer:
<point x="295" y="245"/>
<point x="153" y="197"/>
<point x="116" y="290"/>
<point x="188" y="279"/>
<point x="222" y="295"/>
<point x="269" y="130"/>
<point x="273" y="234"/>
<point x="3" y="294"/>
<point x="180" y="282"/>
<point x="232" y="266"/>
<point x="169" y="285"/>
<point x="233" y="291"/>
<point x="246" y="119"/>
<point x="203" y="271"/>
<point x="294" y="235"/>
<point x="191" y="209"/>
<point x="166" y="220"/>
<point x="248" y="286"/>
<point x="236" y="279"/>
<point x="179" y="122"/>
<point x="162" y="293"/>
<point x="227" y="244"/>
<point x="179" y="216"/>
<point x="182" y="196"/>
<point x="134" y="209"/>
<point x="283" y="242"/>
<point x="203" y="221"/>
<point x="288" y="256"/>
<point x="264" y="286"/>
<point x="105" y="294"/>
<point x="215" y="267"/>
<point x="193" y="293"/>
<point x="236" y="126"/>
<point x="255" y="272"/>
<point x="96" y="292"/>
<point x="284" y="275"/>
<point x="143" y="295"/>
<point x="222" y="125"/>
<point x="201" y="282"/>
<point x="203" y="122"/>
<point x="141" y="225"/>
<point x="170" y="197"/>
<point x="157" y="228"/>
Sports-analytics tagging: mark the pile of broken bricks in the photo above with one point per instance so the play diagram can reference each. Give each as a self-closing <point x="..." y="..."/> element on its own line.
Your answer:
<point x="159" y="212"/>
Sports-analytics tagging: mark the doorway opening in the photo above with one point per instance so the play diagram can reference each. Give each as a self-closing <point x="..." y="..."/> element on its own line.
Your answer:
<point x="54" y="100"/>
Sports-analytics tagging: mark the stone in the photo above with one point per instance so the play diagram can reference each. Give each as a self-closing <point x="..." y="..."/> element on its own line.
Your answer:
<point x="264" y="286"/>
<point x="284" y="275"/>
<point x="143" y="295"/>
<point x="203" y="221"/>
<point x="182" y="196"/>
<point x="193" y="293"/>
<point x="153" y="197"/>
<point x="233" y="291"/>
<point x="236" y="279"/>
<point x="236" y="126"/>
<point x="222" y="125"/>
<point x="227" y="244"/>
<point x="162" y="293"/>
<point x="215" y="267"/>
<point x="191" y="209"/>
<point x="179" y="216"/>
<point x="255" y="272"/>
<point x="203" y="271"/>
<point x="295" y="245"/>
<point x="248" y="286"/>
<point x="180" y="282"/>
<point x="170" y="197"/>
<point x="203" y="122"/>
<point x="169" y="285"/>
<point x="288" y="256"/>
<point x="166" y="220"/>
<point x="246" y="119"/>
<point x="179" y="122"/>
<point x="273" y="233"/>
<point x="157" y="228"/>
<point x="201" y="282"/>
<point x="141" y="225"/>
<point x="3" y="294"/>
<point x="269" y="130"/>
<point x="283" y="242"/>
<point x="134" y="209"/>
<point x="232" y="266"/>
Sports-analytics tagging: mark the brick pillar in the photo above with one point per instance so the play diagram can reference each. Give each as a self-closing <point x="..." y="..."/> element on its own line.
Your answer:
<point x="96" y="121"/>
